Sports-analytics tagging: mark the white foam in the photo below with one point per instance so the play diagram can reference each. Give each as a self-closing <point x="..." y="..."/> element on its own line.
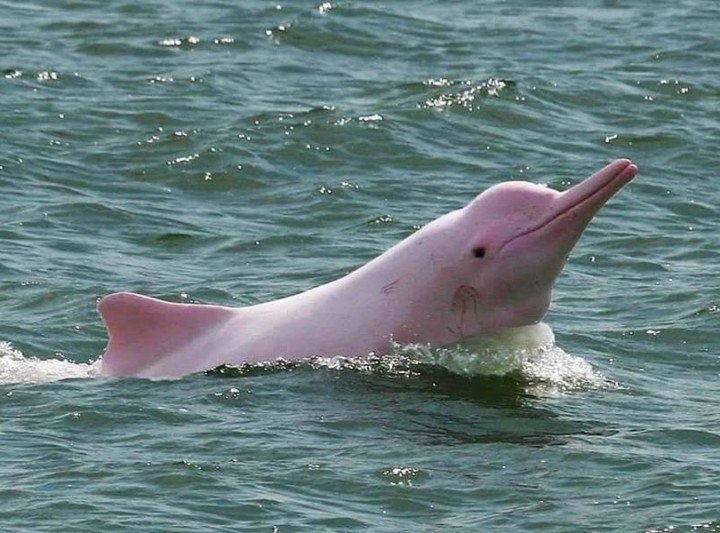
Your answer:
<point x="498" y="354"/>
<point x="15" y="367"/>
<point x="529" y="353"/>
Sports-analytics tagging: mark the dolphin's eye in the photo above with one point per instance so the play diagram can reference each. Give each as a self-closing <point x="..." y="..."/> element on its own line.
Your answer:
<point x="479" y="251"/>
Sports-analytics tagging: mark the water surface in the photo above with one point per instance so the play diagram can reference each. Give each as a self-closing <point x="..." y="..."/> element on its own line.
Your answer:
<point x="239" y="152"/>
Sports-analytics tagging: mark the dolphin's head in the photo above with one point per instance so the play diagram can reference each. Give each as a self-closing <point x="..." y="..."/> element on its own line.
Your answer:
<point x="514" y="241"/>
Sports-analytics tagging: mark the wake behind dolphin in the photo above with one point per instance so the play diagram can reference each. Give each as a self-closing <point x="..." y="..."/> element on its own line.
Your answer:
<point x="15" y="367"/>
<point x="472" y="273"/>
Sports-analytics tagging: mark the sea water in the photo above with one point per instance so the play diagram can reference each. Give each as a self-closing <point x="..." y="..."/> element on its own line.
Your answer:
<point x="237" y="152"/>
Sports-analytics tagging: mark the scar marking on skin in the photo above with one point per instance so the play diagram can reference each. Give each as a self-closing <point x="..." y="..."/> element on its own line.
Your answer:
<point x="465" y="300"/>
<point x="387" y="289"/>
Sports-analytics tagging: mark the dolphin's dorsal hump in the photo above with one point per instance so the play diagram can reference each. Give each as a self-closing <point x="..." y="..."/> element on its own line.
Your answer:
<point x="145" y="331"/>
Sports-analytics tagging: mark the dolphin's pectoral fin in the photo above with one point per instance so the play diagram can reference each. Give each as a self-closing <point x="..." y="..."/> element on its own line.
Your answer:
<point x="143" y="331"/>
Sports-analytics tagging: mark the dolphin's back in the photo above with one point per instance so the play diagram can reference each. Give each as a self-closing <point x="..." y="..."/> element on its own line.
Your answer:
<point x="148" y="336"/>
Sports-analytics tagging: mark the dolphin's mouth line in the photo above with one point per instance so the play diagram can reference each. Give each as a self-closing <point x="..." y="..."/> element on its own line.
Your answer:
<point x="586" y="198"/>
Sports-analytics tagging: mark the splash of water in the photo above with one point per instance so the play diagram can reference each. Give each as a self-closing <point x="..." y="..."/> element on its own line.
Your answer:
<point x="15" y="367"/>
<point x="529" y="352"/>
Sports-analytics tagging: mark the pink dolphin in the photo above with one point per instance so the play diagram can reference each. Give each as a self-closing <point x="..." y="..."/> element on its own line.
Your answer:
<point x="488" y="266"/>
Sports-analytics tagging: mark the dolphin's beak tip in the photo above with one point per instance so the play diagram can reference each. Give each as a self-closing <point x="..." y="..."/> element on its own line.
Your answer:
<point x="627" y="162"/>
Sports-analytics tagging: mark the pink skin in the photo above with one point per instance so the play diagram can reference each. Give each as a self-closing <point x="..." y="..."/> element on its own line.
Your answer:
<point x="486" y="267"/>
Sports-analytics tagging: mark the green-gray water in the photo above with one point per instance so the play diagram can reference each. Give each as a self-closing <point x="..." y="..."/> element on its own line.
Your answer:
<point x="235" y="152"/>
